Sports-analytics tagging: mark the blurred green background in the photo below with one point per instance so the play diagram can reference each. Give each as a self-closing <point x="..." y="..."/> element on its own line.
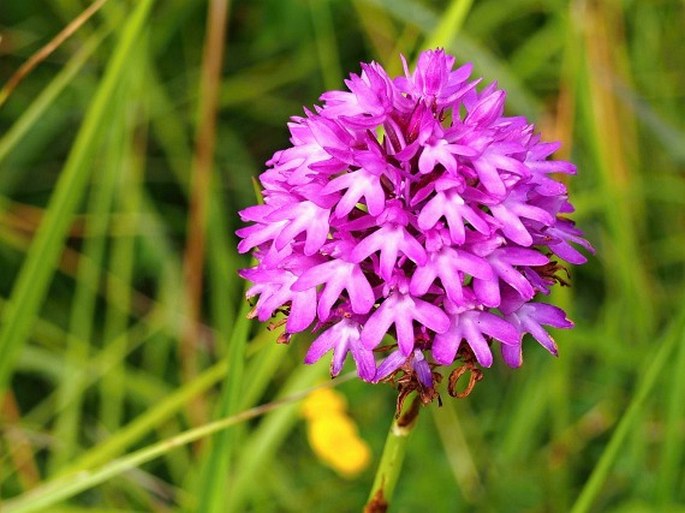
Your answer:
<point x="122" y="319"/>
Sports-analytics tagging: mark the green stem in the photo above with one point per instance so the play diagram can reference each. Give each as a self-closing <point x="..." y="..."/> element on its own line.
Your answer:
<point x="391" y="461"/>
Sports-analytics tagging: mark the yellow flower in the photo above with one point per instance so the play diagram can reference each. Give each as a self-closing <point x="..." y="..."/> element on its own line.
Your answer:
<point x="323" y="401"/>
<point x="333" y="435"/>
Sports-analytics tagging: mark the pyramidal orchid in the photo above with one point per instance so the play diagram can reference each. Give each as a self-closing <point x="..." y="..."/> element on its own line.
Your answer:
<point x="412" y="225"/>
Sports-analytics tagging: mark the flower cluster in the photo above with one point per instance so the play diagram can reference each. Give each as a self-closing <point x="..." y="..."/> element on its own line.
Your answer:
<point x="412" y="208"/>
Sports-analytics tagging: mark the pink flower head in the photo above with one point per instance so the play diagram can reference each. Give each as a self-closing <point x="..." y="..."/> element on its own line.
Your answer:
<point x="412" y="223"/>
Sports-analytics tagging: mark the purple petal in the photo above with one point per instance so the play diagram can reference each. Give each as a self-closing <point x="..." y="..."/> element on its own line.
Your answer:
<point x="512" y="226"/>
<point x="445" y="345"/>
<point x="476" y="342"/>
<point x="321" y="345"/>
<point x="549" y="315"/>
<point x="302" y="311"/>
<point x="512" y="355"/>
<point x="360" y="292"/>
<point x="377" y="326"/>
<point x="422" y="369"/>
<point x="487" y="291"/>
<point x="490" y="178"/>
<point x="431" y="316"/>
<point x="366" y="363"/>
<point x="498" y="328"/>
<point x="422" y="279"/>
<point x="404" y="326"/>
<point x="393" y="362"/>
<point x="487" y="110"/>
<point x="431" y="212"/>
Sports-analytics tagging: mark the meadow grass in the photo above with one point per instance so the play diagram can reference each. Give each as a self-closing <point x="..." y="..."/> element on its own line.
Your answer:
<point x="133" y="380"/>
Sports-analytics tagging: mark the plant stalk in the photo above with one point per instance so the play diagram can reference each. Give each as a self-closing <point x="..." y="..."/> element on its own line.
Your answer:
<point x="391" y="461"/>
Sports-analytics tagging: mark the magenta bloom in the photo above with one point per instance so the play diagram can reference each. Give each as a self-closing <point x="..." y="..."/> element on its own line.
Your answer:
<point x="412" y="224"/>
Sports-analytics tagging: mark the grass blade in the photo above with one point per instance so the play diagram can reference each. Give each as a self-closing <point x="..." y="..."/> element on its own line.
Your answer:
<point x="34" y="277"/>
<point x="450" y="24"/>
<point x="601" y="470"/>
<point x="63" y="488"/>
<point x="47" y="97"/>
<point x="264" y="441"/>
<point x="152" y="418"/>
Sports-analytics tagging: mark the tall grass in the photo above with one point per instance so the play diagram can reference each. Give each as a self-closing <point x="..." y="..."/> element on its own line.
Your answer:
<point x="132" y="379"/>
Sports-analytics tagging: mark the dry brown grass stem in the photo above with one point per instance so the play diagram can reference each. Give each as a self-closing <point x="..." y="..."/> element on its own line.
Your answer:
<point x="201" y="177"/>
<point x="46" y="50"/>
<point x="19" y="447"/>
